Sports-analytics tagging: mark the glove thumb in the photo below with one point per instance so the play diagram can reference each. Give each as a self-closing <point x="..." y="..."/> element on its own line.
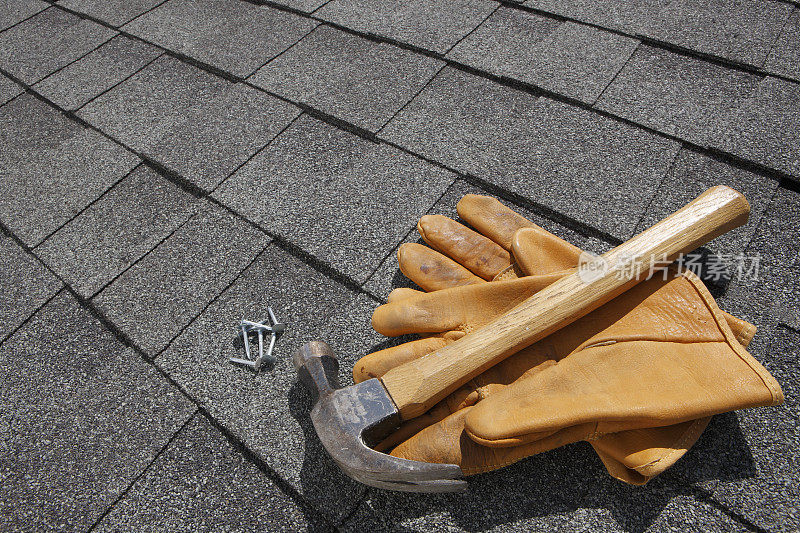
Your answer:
<point x="536" y="251"/>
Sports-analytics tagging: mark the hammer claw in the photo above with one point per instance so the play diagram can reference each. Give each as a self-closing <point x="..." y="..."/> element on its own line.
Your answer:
<point x="349" y="420"/>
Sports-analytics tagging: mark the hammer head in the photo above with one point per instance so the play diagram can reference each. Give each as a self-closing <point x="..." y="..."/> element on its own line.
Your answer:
<point x="349" y="420"/>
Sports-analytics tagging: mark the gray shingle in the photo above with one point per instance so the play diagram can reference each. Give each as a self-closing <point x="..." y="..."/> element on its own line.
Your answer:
<point x="14" y="11"/>
<point x="676" y="95"/>
<point x="236" y="495"/>
<point x="768" y="495"/>
<point x="563" y="157"/>
<point x="459" y="117"/>
<point x="766" y="127"/>
<point x="232" y="35"/>
<point x="162" y="293"/>
<point x="26" y="285"/>
<point x="81" y="417"/>
<point x="785" y="55"/>
<point x="269" y="411"/>
<point x="763" y="488"/>
<point x="303" y="5"/>
<point x="772" y="297"/>
<point x="192" y="122"/>
<point x="343" y="199"/>
<point x="623" y="15"/>
<point x="114" y="12"/>
<point x="116" y="231"/>
<point x="351" y="78"/>
<point x="53" y="167"/>
<point x="427" y="24"/>
<point x="388" y="276"/>
<point x="215" y="138"/>
<point x="8" y="89"/>
<point x="76" y="84"/>
<point x="745" y="33"/>
<point x="495" y="45"/>
<point x="366" y="517"/>
<point x="140" y="111"/>
<point x="693" y="173"/>
<point x="571" y="59"/>
<point x="45" y="43"/>
<point x="579" y="61"/>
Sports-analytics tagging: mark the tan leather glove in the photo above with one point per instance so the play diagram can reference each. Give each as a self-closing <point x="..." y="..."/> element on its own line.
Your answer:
<point x="662" y="355"/>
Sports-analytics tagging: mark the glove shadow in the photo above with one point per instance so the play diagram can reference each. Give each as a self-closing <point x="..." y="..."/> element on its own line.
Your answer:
<point x="549" y="491"/>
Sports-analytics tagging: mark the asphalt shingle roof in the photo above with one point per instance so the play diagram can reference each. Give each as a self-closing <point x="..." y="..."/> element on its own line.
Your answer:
<point x="195" y="124"/>
<point x="202" y="482"/>
<point x="80" y="434"/>
<point x="739" y="30"/>
<point x="766" y="126"/>
<point x="154" y="299"/>
<point x="117" y="230"/>
<point x="225" y="33"/>
<point x="112" y="12"/>
<point x="53" y="168"/>
<point x="76" y="84"/>
<point x="43" y="44"/>
<point x="426" y="24"/>
<point x="27" y="285"/>
<point x="169" y="168"/>
<point x="676" y="95"/>
<point x="14" y="11"/>
<point x="348" y="77"/>
<point x="528" y="145"/>
<point x="8" y="89"/>
<point x="567" y="58"/>
<point x="309" y="169"/>
<point x="785" y="55"/>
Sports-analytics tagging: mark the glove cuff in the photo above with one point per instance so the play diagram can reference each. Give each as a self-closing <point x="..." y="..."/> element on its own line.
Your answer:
<point x="656" y="377"/>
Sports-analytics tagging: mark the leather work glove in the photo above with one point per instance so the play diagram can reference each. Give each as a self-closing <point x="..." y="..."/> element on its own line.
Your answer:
<point x="638" y="378"/>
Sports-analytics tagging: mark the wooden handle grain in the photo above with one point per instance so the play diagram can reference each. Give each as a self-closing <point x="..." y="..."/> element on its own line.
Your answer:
<point x="418" y="385"/>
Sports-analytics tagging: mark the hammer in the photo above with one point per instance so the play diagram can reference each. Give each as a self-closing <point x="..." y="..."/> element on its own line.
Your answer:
<point x="350" y="420"/>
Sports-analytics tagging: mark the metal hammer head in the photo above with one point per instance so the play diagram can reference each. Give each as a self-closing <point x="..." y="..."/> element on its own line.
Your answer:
<point x="349" y="420"/>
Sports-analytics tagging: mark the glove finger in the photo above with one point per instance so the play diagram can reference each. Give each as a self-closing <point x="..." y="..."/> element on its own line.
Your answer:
<point x="446" y="441"/>
<point x="431" y="270"/>
<point x="742" y="330"/>
<point x="537" y="251"/>
<point x="491" y="218"/>
<point x="455" y="309"/>
<point x="459" y="399"/>
<point x="480" y="255"/>
<point x="376" y="364"/>
<point x="402" y="293"/>
<point x="638" y="455"/>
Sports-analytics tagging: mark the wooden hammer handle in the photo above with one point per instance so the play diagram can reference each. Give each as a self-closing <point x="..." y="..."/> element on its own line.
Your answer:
<point x="418" y="385"/>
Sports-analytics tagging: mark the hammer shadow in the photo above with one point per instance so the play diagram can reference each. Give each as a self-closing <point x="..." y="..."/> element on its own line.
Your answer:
<point x="545" y="489"/>
<point x="323" y="485"/>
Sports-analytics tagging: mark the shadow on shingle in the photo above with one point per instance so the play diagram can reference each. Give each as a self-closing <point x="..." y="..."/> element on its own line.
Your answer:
<point x="568" y="486"/>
